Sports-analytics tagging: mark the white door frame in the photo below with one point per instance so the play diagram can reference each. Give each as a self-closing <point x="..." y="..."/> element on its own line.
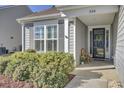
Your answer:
<point x="107" y="28"/>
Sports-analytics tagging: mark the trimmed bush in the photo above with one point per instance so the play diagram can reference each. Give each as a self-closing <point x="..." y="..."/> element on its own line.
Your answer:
<point x="31" y="50"/>
<point x="49" y="69"/>
<point x="3" y="64"/>
<point x="63" y="61"/>
<point x="18" y="59"/>
<point x="24" y="71"/>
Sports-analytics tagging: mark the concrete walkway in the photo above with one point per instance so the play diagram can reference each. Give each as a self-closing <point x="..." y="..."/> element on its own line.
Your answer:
<point x="92" y="78"/>
<point x="80" y="82"/>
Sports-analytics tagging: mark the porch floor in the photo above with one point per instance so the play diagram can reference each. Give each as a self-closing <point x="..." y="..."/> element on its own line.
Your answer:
<point x="96" y="65"/>
<point x="98" y="74"/>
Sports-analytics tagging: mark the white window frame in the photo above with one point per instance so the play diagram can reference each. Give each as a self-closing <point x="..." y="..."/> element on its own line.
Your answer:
<point x="40" y="37"/>
<point x="45" y="36"/>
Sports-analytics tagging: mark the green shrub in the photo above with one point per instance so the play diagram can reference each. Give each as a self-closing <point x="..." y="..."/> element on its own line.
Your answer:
<point x="3" y="64"/>
<point x="31" y="50"/>
<point x="63" y="61"/>
<point x="49" y="69"/>
<point x="49" y="78"/>
<point x="18" y="59"/>
<point x="24" y="71"/>
<point x="55" y="67"/>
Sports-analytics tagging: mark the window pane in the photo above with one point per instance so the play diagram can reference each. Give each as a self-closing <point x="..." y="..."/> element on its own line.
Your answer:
<point x="42" y="45"/>
<point x="91" y="42"/>
<point x="107" y="40"/>
<point x="37" y="45"/>
<point x="49" y="32"/>
<point x="55" y="31"/>
<point x="42" y="32"/>
<point x="37" y="35"/>
<point x="49" y="45"/>
<point x="55" y="45"/>
<point x="39" y="32"/>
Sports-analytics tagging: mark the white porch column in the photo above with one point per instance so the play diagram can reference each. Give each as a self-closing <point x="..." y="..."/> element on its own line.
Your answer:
<point x="22" y="37"/>
<point x="66" y="36"/>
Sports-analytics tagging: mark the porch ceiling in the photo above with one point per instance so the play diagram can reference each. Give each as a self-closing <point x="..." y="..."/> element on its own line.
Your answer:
<point x="97" y="19"/>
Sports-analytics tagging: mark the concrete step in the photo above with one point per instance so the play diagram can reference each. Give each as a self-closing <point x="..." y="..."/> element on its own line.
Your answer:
<point x="79" y="82"/>
<point x="95" y="67"/>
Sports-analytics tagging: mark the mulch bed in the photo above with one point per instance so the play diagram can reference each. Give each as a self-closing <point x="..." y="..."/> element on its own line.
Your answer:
<point x="6" y="82"/>
<point x="71" y="76"/>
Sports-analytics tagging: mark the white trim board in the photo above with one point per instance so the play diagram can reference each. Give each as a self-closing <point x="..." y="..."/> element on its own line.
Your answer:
<point x="66" y="37"/>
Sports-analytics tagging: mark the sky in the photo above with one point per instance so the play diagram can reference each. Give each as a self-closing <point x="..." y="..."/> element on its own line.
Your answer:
<point x="37" y="8"/>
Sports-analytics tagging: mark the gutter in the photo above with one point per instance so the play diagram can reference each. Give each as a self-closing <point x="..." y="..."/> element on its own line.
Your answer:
<point x="43" y="17"/>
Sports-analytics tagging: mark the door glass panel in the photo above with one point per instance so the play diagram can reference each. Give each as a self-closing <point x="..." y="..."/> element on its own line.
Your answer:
<point x="91" y="42"/>
<point x="107" y="40"/>
<point x="99" y="43"/>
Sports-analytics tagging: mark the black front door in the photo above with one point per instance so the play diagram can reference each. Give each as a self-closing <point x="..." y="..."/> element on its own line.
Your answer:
<point x="99" y="43"/>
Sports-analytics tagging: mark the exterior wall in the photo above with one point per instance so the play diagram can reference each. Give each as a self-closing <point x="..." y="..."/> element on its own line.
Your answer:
<point x="29" y="34"/>
<point x="71" y="36"/>
<point x="9" y="28"/>
<point x="29" y="38"/>
<point x="114" y="27"/>
<point x="119" y="52"/>
<point x="86" y="37"/>
<point x="61" y="36"/>
<point x="80" y="39"/>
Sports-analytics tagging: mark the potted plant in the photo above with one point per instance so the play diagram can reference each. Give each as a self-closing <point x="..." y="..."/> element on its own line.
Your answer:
<point x="84" y="57"/>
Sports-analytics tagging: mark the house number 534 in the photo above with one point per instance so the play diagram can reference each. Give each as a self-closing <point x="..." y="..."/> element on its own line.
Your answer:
<point x="92" y="11"/>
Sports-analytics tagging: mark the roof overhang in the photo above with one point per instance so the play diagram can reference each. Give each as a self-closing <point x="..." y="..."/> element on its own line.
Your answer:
<point x="81" y="10"/>
<point x="98" y="19"/>
<point x="71" y="7"/>
<point x="36" y="18"/>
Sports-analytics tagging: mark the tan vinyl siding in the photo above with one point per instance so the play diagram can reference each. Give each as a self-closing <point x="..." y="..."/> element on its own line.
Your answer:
<point x="119" y="53"/>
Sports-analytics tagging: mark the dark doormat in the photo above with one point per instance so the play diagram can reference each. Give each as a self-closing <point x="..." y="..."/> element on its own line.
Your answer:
<point x="98" y="59"/>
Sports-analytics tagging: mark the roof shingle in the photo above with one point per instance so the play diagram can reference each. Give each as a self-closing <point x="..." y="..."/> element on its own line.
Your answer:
<point x="45" y="12"/>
